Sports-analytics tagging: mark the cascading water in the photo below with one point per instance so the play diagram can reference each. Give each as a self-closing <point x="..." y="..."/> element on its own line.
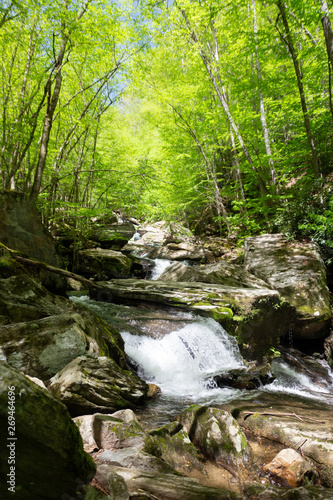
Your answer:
<point x="182" y="357"/>
<point x="183" y="362"/>
<point x="160" y="266"/>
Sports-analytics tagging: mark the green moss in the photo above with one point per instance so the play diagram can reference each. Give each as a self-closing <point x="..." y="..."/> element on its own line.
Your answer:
<point x="222" y="313"/>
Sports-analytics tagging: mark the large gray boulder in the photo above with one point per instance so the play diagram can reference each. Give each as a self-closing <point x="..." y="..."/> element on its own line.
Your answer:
<point x="24" y="299"/>
<point x="172" y="443"/>
<point x="215" y="433"/>
<point x="49" y="460"/>
<point x="21" y="229"/>
<point x="112" y="236"/>
<point x="41" y="348"/>
<point x="110" y="431"/>
<point x="103" y="264"/>
<point x="91" y="384"/>
<point x="296" y="270"/>
<point x="221" y="272"/>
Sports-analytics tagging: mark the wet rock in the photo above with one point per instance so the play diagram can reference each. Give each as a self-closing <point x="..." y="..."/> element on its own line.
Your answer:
<point x="288" y="468"/>
<point x="215" y="433"/>
<point x="256" y="316"/>
<point x="103" y="264"/>
<point x="293" y="363"/>
<point x="110" y="432"/>
<point x="142" y="484"/>
<point x="296" y="270"/>
<point x="171" y="443"/>
<point x="222" y="273"/>
<point x="244" y="378"/>
<point x="48" y="445"/>
<point x="21" y="229"/>
<point x="91" y="384"/>
<point x="153" y="390"/>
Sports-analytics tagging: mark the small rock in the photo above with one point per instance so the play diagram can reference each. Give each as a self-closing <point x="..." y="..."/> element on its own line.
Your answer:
<point x="288" y="468"/>
<point x="153" y="390"/>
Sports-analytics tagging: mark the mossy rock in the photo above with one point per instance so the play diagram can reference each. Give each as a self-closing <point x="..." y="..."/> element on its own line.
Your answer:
<point x="45" y="428"/>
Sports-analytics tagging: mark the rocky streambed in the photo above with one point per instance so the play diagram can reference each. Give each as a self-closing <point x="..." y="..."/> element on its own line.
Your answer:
<point x="176" y="387"/>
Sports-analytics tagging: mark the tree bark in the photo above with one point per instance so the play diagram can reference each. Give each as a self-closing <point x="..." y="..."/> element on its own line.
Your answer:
<point x="52" y="101"/>
<point x="327" y="27"/>
<point x="220" y="94"/>
<point x="292" y="50"/>
<point x="261" y="102"/>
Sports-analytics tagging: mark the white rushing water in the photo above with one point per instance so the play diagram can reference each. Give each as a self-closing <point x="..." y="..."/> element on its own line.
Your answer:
<point x="160" y="266"/>
<point x="182" y="362"/>
<point x="289" y="380"/>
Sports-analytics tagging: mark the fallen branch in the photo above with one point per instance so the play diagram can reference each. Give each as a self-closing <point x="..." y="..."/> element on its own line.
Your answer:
<point x="52" y="269"/>
<point x="249" y="413"/>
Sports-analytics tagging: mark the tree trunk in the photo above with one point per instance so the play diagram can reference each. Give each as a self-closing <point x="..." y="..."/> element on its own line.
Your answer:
<point x="327" y="27"/>
<point x="225" y="106"/>
<point x="261" y="102"/>
<point x="52" y="101"/>
<point x="290" y="44"/>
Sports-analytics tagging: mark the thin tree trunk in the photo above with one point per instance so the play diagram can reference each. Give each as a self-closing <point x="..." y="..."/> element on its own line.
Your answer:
<point x="52" y="101"/>
<point x="261" y="102"/>
<point x="327" y="27"/>
<point x="234" y="159"/>
<point x="225" y="106"/>
<point x="292" y="50"/>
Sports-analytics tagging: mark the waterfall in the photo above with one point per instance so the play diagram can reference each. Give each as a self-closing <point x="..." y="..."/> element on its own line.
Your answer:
<point x="160" y="266"/>
<point x="183" y="362"/>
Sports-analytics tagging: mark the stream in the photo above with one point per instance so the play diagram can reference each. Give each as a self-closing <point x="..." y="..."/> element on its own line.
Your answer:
<point x="180" y="352"/>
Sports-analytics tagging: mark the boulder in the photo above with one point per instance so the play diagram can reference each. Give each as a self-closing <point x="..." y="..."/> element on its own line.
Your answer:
<point x="49" y="460"/>
<point x="244" y="378"/>
<point x="24" y="299"/>
<point x="289" y="468"/>
<point x="187" y="250"/>
<point x="256" y="316"/>
<point x="142" y="485"/>
<point x="21" y="229"/>
<point x="43" y="347"/>
<point x="103" y="264"/>
<point x="215" y="433"/>
<point x="222" y="273"/>
<point x="91" y="384"/>
<point x="110" y="432"/>
<point x="172" y="443"/>
<point x="113" y="483"/>
<point x="296" y="270"/>
<point x="112" y="236"/>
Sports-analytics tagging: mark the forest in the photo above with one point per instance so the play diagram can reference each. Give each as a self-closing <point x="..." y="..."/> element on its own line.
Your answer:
<point x="215" y="114"/>
<point x="166" y="249"/>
